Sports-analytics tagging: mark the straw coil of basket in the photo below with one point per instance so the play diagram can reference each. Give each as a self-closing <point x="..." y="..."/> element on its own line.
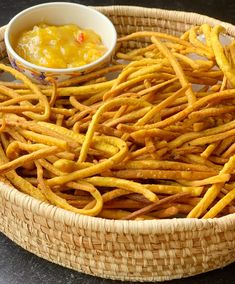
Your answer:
<point x="126" y="250"/>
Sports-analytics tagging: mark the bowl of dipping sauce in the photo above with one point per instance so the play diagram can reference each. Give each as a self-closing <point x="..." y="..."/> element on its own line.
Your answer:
<point x="59" y="40"/>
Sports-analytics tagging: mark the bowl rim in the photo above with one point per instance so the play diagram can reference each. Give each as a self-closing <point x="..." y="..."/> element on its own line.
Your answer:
<point x="98" y="224"/>
<point x="82" y="68"/>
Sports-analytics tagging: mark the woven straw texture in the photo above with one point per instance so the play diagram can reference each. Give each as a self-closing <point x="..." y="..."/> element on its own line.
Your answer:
<point x="125" y="250"/>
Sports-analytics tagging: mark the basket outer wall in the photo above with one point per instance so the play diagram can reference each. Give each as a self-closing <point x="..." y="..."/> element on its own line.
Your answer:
<point x="125" y="250"/>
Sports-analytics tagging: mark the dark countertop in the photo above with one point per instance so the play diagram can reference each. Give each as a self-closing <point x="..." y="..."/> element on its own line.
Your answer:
<point x="18" y="266"/>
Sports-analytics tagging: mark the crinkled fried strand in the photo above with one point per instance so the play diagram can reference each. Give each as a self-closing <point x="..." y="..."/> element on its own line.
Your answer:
<point x="220" y="57"/>
<point x="61" y="202"/>
<point x="35" y="89"/>
<point x="212" y="192"/>
<point x="20" y="182"/>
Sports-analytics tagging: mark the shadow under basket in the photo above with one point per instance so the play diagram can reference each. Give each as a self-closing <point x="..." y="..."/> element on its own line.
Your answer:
<point x="125" y="250"/>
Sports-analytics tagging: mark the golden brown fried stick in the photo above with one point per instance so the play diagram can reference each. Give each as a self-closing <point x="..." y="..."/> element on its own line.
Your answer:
<point x="220" y="57"/>
<point x="149" y="208"/>
<point x="212" y="192"/>
<point x="177" y="68"/>
<point x="35" y="89"/>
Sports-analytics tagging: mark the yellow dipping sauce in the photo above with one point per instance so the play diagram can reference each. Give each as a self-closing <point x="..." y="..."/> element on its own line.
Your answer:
<point x="65" y="46"/>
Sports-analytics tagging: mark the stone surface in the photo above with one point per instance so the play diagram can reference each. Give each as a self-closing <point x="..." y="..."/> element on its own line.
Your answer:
<point x="18" y="266"/>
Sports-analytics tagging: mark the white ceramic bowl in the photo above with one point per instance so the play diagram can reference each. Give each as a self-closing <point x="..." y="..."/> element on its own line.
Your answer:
<point x="59" y="13"/>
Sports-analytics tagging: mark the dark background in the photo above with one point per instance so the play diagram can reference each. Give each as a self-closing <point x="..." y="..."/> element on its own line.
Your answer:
<point x="18" y="266"/>
<point x="221" y="9"/>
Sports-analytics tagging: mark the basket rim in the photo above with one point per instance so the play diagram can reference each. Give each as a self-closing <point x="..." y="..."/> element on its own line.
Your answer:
<point x="97" y="224"/>
<point x="186" y="17"/>
<point x="173" y="15"/>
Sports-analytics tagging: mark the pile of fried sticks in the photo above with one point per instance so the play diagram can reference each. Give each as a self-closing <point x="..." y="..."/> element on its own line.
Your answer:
<point x="157" y="141"/>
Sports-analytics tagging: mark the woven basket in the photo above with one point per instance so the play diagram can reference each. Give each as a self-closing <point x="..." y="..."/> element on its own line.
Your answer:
<point x="126" y="250"/>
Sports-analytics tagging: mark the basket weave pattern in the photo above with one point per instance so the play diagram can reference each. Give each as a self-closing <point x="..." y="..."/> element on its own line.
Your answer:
<point x="126" y="250"/>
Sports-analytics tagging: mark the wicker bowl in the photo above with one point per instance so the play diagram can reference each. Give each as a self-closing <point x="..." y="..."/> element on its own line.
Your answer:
<point x="125" y="250"/>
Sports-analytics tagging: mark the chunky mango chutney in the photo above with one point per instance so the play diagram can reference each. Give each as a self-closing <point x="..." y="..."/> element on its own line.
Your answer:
<point x="65" y="46"/>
